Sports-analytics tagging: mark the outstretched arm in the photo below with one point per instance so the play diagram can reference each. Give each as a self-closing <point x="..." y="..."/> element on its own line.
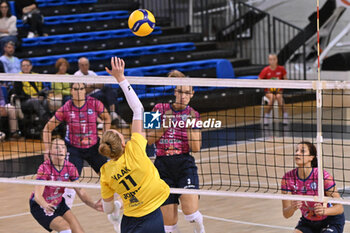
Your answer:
<point x="135" y="104"/>
<point x="289" y="207"/>
<point x="51" y="125"/>
<point x="38" y="197"/>
<point x="87" y="200"/>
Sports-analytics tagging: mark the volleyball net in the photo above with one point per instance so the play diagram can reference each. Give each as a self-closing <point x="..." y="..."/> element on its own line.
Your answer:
<point x="245" y="150"/>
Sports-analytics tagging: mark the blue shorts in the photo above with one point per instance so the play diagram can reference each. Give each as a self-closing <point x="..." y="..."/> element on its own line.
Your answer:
<point x="332" y="224"/>
<point x="152" y="222"/>
<point x="90" y="155"/>
<point x="178" y="171"/>
<point x="40" y="216"/>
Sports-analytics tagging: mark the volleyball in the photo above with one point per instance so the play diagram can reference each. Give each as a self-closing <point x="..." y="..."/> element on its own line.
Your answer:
<point x="141" y="22"/>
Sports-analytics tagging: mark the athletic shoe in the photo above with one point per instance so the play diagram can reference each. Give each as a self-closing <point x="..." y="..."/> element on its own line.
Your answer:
<point x="31" y="35"/>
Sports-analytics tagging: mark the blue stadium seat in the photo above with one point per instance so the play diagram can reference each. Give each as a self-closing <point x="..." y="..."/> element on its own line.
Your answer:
<point x="106" y="54"/>
<point x="223" y="68"/>
<point x="85" y="36"/>
<point x="87" y="17"/>
<point x="12" y="8"/>
<point x="45" y="3"/>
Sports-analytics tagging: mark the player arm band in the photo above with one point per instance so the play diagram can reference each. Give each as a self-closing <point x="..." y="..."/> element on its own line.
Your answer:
<point x="132" y="99"/>
<point x="108" y="207"/>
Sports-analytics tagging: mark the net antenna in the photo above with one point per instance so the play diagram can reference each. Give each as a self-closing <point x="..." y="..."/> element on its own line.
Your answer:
<point x="319" y="113"/>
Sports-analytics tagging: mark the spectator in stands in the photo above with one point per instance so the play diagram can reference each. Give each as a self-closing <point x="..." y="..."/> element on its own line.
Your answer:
<point x="29" y="12"/>
<point x="7" y="110"/>
<point x="61" y="90"/>
<point x="2" y="69"/>
<point x="274" y="71"/>
<point x="8" y="28"/>
<point x="30" y="96"/>
<point x="11" y="63"/>
<point x="105" y="94"/>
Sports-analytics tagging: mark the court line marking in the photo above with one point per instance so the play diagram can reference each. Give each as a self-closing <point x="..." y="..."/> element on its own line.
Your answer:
<point x="28" y="213"/>
<point x="205" y="216"/>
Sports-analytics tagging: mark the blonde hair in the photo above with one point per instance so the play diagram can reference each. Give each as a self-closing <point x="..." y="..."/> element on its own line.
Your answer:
<point x="111" y="145"/>
<point x="176" y="74"/>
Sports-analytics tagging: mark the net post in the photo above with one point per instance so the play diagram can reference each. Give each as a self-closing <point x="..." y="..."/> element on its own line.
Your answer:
<point x="319" y="114"/>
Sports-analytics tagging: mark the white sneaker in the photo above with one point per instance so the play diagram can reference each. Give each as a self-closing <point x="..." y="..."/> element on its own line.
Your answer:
<point x="31" y="35"/>
<point x="2" y="136"/>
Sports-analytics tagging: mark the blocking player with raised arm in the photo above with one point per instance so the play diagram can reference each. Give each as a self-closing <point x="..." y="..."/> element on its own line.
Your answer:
<point x="174" y="162"/>
<point x="47" y="204"/>
<point x="274" y="71"/>
<point x="130" y="173"/>
<point x="303" y="180"/>
<point x="80" y="115"/>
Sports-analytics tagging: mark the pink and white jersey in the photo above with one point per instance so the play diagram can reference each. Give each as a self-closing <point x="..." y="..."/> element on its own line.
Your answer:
<point x="292" y="183"/>
<point x="81" y="122"/>
<point x="47" y="171"/>
<point x="174" y="140"/>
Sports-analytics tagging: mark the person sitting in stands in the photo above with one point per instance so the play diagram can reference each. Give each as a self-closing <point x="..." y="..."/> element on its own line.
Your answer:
<point x="29" y="12"/>
<point x="61" y="91"/>
<point x="11" y="63"/>
<point x="30" y="96"/>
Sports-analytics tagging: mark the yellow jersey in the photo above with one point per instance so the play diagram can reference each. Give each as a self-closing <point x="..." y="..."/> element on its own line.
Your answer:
<point x="134" y="177"/>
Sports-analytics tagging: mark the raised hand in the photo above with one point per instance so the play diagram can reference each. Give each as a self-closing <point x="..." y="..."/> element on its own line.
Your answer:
<point x="296" y="204"/>
<point x="319" y="209"/>
<point x="118" y="66"/>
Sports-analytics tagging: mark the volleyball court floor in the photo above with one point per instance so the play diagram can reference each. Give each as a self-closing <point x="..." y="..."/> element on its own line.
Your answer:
<point x="255" y="165"/>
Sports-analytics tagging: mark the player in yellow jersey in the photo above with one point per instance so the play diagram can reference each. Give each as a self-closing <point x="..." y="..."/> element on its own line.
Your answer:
<point x="130" y="173"/>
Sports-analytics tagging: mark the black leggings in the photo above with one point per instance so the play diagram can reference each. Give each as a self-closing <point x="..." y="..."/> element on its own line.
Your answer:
<point x="36" y="24"/>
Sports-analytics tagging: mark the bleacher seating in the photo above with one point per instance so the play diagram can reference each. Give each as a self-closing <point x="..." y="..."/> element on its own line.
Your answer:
<point x="45" y="3"/>
<point x="77" y="18"/>
<point x="107" y="54"/>
<point x="79" y="37"/>
<point x="99" y="34"/>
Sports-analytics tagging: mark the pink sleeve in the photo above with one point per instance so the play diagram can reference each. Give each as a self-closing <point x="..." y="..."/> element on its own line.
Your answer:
<point x="41" y="175"/>
<point x="262" y="74"/>
<point x="285" y="184"/>
<point x="60" y="113"/>
<point x="99" y="107"/>
<point x="328" y="181"/>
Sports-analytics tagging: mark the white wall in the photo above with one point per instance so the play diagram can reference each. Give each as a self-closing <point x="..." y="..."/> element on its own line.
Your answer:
<point x="298" y="11"/>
